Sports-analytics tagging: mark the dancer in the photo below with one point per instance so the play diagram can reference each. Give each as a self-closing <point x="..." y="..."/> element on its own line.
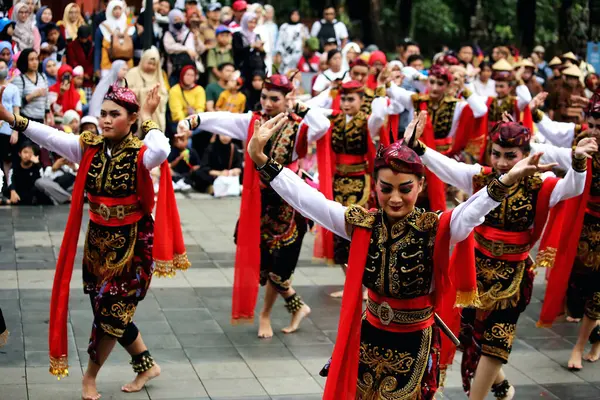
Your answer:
<point x="502" y="245"/>
<point x="346" y="156"/>
<point x="122" y="248"/>
<point x="576" y="274"/>
<point x="401" y="254"/>
<point x="269" y="232"/>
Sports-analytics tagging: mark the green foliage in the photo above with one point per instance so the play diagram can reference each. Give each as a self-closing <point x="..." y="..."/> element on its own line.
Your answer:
<point x="434" y="23"/>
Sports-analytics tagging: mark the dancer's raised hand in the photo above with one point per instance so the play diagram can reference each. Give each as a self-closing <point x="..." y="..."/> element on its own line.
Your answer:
<point x="586" y="147"/>
<point x="262" y="134"/>
<point x="526" y="167"/>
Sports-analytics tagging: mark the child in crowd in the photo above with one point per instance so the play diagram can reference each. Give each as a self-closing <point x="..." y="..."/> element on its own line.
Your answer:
<point x="183" y="162"/>
<point x="21" y="181"/>
<point x="220" y="54"/>
<point x="232" y="99"/>
<point x="85" y="94"/>
<point x="71" y="122"/>
<point x="89" y="123"/>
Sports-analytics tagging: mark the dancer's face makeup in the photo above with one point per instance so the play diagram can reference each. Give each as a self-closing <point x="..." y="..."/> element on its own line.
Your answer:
<point x="397" y="192"/>
<point x="115" y="121"/>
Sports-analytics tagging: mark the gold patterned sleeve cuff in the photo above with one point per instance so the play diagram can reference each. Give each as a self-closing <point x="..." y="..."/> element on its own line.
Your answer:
<point x="497" y="190"/>
<point x="537" y="116"/>
<point x="21" y="123"/>
<point x="148" y="125"/>
<point x="467" y="93"/>
<point x="380" y="91"/>
<point x="579" y="163"/>
<point x="420" y="148"/>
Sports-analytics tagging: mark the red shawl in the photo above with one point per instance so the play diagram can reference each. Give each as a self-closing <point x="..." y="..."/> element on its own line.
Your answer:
<point x="168" y="251"/>
<point x="247" y="255"/>
<point x="566" y="251"/>
<point x="69" y="99"/>
<point x="343" y="375"/>
<point x="436" y="192"/>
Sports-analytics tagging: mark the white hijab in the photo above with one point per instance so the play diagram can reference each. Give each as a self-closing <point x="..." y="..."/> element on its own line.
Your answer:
<point x="349" y="46"/>
<point x="111" y="22"/>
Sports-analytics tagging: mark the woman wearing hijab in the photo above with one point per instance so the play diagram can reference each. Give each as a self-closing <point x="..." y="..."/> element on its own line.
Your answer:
<point x="291" y="39"/>
<point x="253" y="91"/>
<point x="115" y="75"/>
<point x="50" y="70"/>
<point x="186" y="98"/>
<point x="81" y="52"/>
<point x="144" y="77"/>
<point x="26" y="35"/>
<point x="179" y="41"/>
<point x="7" y="28"/>
<point x="42" y="18"/>
<point x="72" y="20"/>
<point x="248" y="48"/>
<point x="67" y="96"/>
<point x="7" y="55"/>
<point x="350" y="52"/>
<point x="116" y="21"/>
<point x="221" y="158"/>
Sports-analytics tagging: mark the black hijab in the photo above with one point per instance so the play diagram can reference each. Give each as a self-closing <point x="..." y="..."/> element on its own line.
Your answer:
<point x="219" y="156"/>
<point x="23" y="60"/>
<point x="253" y="95"/>
<point x="290" y="17"/>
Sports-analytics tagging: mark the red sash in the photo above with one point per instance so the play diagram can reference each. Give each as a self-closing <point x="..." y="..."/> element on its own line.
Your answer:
<point x="168" y="251"/>
<point x="247" y="254"/>
<point x="436" y="190"/>
<point x="342" y="378"/>
<point x="566" y="242"/>
<point x="399" y="304"/>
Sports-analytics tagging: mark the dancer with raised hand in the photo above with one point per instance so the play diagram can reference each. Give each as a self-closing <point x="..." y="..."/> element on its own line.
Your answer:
<point x="124" y="246"/>
<point x="503" y="241"/>
<point x="401" y="254"/>
<point x="269" y="232"/>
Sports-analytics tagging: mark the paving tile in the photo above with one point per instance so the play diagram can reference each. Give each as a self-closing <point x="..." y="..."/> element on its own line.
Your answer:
<point x="176" y="389"/>
<point x="233" y="387"/>
<point x="290" y="385"/>
<point x="14" y="392"/>
<point x="581" y="391"/>
<point x="273" y="368"/>
<point x="221" y="370"/>
<point x="12" y="375"/>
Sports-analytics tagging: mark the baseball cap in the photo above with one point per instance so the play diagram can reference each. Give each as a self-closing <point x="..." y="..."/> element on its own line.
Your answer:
<point x="214" y="6"/>
<point x="331" y="40"/>
<point x="221" y="29"/>
<point x="239" y="5"/>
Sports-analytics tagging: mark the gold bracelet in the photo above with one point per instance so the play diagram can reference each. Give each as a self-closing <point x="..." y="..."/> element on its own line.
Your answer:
<point x="420" y="148"/>
<point x="497" y="190"/>
<point x="20" y="123"/>
<point x="148" y="125"/>
<point x="537" y="116"/>
<point x="579" y="163"/>
<point x="380" y="91"/>
<point x="466" y="93"/>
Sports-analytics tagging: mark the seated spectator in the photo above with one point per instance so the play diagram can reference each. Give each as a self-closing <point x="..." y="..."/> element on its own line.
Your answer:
<point x="309" y="61"/>
<point x="50" y="70"/>
<point x="85" y="93"/>
<point x="64" y="95"/>
<point x="55" y="42"/>
<point x="183" y="162"/>
<point x="117" y="75"/>
<point x="6" y="54"/>
<point x="334" y="72"/>
<point x="253" y="92"/>
<point x="43" y="17"/>
<point x="71" y="122"/>
<point x="89" y="123"/>
<point x="58" y="180"/>
<point x="232" y="99"/>
<point x="26" y="35"/>
<point x="11" y="100"/>
<point x="186" y="98"/>
<point x="221" y="53"/>
<point x="21" y="181"/>
<point x="81" y="52"/>
<point x="214" y="90"/>
<point x="7" y="28"/>
<point x="71" y="22"/>
<point x="221" y="158"/>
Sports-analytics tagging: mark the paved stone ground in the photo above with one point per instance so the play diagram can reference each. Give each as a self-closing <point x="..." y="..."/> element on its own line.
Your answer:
<point x="185" y="322"/>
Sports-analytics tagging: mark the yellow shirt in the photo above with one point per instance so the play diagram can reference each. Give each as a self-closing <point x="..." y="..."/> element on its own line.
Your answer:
<point x="235" y="103"/>
<point x="180" y="100"/>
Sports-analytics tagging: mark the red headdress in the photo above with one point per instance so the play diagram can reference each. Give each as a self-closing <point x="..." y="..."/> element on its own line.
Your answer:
<point x="400" y="158"/>
<point x="123" y="96"/>
<point x="352" y="87"/>
<point x="377" y="56"/>
<point x="440" y="72"/>
<point x="280" y="83"/>
<point x="359" y="62"/>
<point x="510" y="134"/>
<point x="594" y="105"/>
<point x="450" y="59"/>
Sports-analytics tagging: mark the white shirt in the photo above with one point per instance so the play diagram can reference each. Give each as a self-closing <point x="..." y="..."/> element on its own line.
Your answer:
<point x="324" y="79"/>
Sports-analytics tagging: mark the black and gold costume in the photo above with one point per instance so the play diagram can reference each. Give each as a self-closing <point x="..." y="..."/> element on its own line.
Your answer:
<point x="399" y="266"/>
<point x="441" y="116"/>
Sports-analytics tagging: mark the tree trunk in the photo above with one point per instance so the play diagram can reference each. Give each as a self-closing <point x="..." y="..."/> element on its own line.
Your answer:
<point x="563" y="23"/>
<point x="405" y="17"/>
<point x="374" y="16"/>
<point x="526" y="25"/>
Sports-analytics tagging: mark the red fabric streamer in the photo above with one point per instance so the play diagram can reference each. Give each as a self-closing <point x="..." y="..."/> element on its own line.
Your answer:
<point x="558" y="280"/>
<point x="436" y="190"/>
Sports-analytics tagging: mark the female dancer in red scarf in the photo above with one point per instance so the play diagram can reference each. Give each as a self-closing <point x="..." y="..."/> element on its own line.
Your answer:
<point x="502" y="245"/>
<point x="401" y="254"/>
<point x="122" y="248"/>
<point x="576" y="272"/>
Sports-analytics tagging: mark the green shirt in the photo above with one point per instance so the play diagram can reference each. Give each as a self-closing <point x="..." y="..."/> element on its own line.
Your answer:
<point x="213" y="91"/>
<point x="215" y="58"/>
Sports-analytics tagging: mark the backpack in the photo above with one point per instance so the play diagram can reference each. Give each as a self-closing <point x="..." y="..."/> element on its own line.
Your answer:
<point x="180" y="60"/>
<point x="121" y="45"/>
<point x="327" y="31"/>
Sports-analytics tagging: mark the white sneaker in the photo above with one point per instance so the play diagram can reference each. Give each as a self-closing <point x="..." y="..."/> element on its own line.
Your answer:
<point x="185" y="187"/>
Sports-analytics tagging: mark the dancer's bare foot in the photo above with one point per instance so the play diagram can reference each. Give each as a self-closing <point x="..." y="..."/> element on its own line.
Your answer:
<point x="575" y="360"/>
<point x="337" y="295"/>
<point x="573" y="320"/>
<point x="296" y="319"/>
<point x="510" y="394"/>
<point x="594" y="354"/>
<point x="88" y="389"/>
<point x="141" y="379"/>
<point x="264" y="327"/>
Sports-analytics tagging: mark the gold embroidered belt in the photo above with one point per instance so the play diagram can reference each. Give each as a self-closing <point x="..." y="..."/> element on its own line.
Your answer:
<point x="110" y="211"/>
<point x="399" y="315"/>
<point x="509" y="246"/>
<point x="351" y="169"/>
